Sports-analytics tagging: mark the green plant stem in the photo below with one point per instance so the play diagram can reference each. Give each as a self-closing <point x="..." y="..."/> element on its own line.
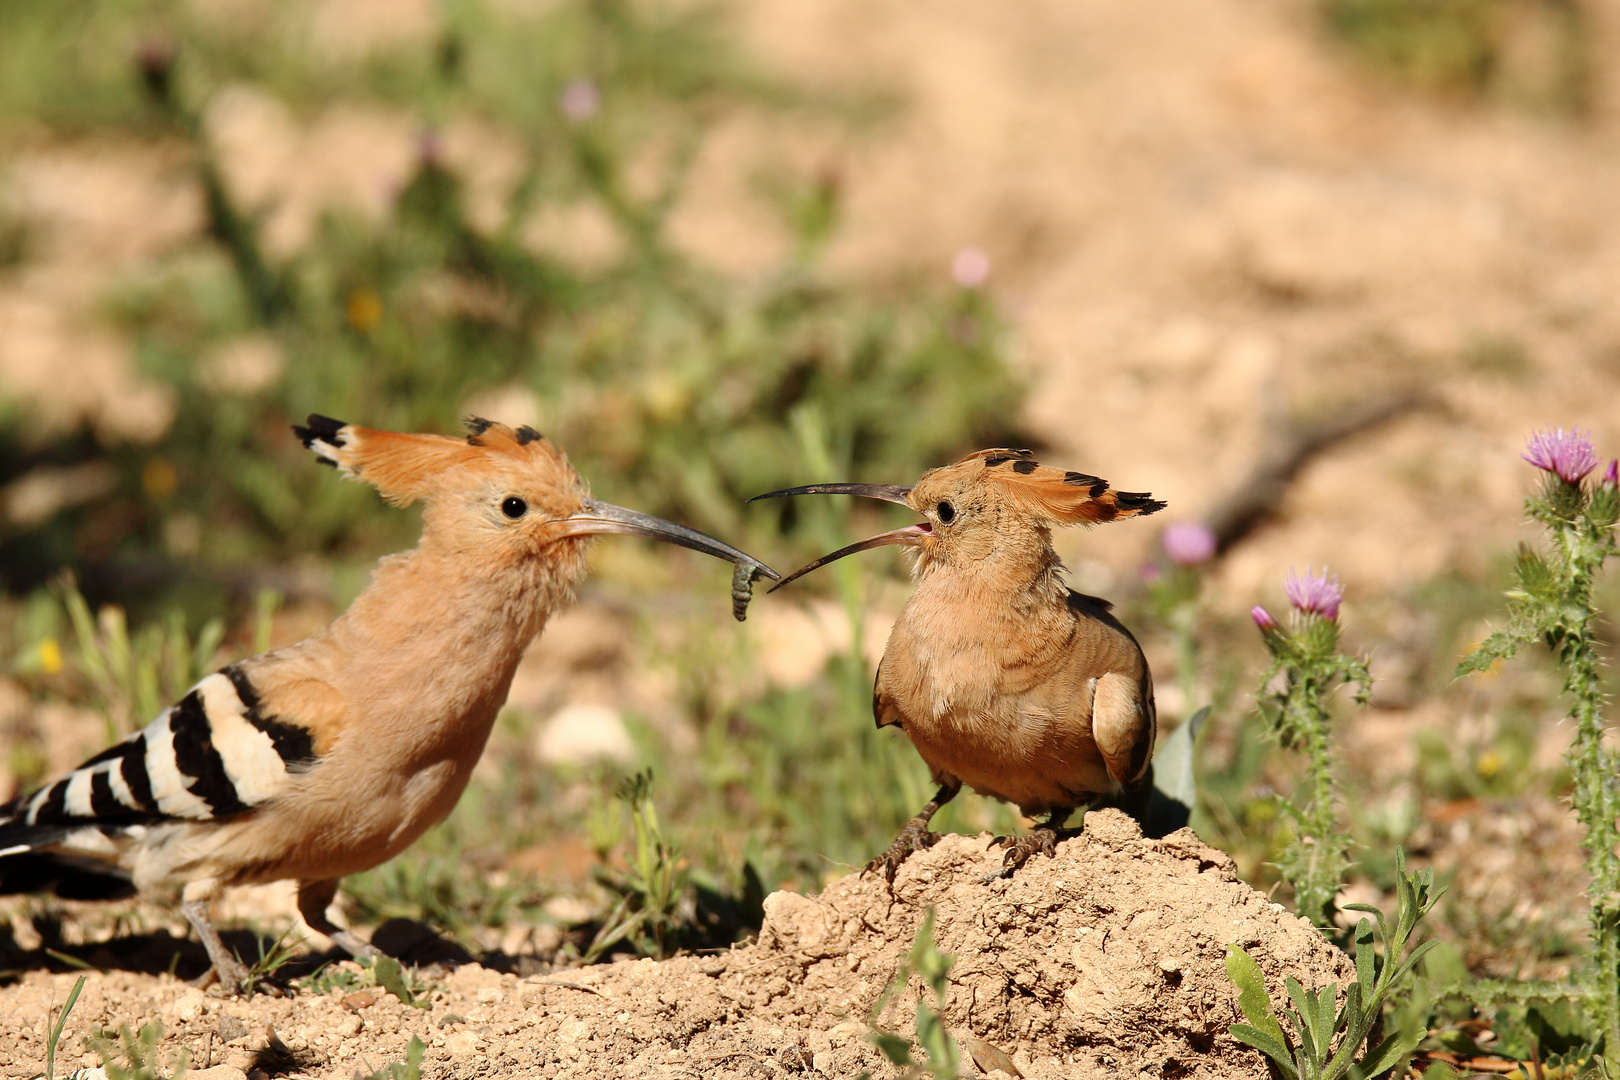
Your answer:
<point x="1552" y="601"/>
<point x="1309" y="659"/>
<point x="1595" y="800"/>
<point x="1323" y="864"/>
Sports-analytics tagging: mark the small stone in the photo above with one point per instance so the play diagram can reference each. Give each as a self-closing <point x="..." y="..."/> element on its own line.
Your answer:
<point x="189" y="1006"/>
<point x="846" y="1032"/>
<point x="584" y="732"/>
<point x="461" y="1042"/>
<point x="795" y="1058"/>
<point x="514" y="938"/>
<point x="359" y="1000"/>
<point x="569" y="910"/>
<point x="230" y="1028"/>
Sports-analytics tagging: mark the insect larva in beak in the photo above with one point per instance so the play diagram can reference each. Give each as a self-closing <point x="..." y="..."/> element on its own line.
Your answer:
<point x="742" y="587"/>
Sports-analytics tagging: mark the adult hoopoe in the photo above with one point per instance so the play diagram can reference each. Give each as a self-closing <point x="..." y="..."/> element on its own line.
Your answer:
<point x="1004" y="678"/>
<point x="332" y="755"/>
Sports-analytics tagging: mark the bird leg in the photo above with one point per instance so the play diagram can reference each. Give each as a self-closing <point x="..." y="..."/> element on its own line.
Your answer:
<point x="314" y="897"/>
<point x="231" y="972"/>
<point x="914" y="836"/>
<point x="1043" y="838"/>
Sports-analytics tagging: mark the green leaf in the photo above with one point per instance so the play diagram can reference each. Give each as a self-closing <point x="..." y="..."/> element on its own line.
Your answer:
<point x="1417" y="954"/>
<point x="1253" y="1001"/>
<point x="1352" y="1011"/>
<point x="1304" y="1016"/>
<point x="1501" y="645"/>
<point x="1366" y="958"/>
<point x="1174" y="784"/>
<point x="1255" y="1004"/>
<point x="1327" y="1002"/>
<point x="1268" y="1045"/>
<point x="412" y="1068"/>
<point x="1534" y="576"/>
<point x="894" y="1047"/>
<point x="55" y="1035"/>
<point x="1383" y="1057"/>
<point x="391" y="977"/>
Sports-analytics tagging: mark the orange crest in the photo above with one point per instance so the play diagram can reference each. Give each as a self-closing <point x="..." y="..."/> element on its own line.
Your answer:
<point x="407" y="467"/>
<point x="1063" y="497"/>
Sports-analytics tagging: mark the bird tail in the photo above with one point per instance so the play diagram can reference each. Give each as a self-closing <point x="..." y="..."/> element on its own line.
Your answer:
<point x="32" y="862"/>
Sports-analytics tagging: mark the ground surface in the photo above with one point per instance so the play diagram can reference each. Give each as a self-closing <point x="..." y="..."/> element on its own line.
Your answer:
<point x="1204" y="219"/>
<point x="1106" y="961"/>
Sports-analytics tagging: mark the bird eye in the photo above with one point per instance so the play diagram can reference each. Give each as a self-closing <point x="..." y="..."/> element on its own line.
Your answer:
<point x="514" y="507"/>
<point x="946" y="512"/>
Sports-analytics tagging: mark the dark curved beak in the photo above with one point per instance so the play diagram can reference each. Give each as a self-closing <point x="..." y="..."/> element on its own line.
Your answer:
<point x="887" y="492"/>
<point x="600" y="518"/>
<point x="909" y="536"/>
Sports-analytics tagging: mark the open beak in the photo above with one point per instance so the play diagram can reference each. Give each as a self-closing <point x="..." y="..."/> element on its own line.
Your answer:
<point x="598" y="518"/>
<point x="910" y="536"/>
<point x="887" y="492"/>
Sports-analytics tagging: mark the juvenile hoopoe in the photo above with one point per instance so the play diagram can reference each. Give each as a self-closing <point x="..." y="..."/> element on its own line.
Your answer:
<point x="331" y="756"/>
<point x="1003" y="677"/>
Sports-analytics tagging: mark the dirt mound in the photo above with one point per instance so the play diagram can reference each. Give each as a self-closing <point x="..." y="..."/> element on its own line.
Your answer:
<point x="1105" y="961"/>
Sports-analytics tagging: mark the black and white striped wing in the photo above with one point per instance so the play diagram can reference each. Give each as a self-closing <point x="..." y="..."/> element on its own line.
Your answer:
<point x="211" y="757"/>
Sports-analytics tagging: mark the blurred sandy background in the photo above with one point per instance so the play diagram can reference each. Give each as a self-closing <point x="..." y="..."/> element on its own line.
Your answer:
<point x="1204" y="218"/>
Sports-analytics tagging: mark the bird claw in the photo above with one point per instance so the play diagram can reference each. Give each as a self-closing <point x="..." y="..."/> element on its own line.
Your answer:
<point x="1019" y="849"/>
<point x="914" y="837"/>
<point x="231" y="976"/>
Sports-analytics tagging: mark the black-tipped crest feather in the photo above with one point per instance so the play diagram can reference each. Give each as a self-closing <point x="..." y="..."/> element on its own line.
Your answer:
<point x="323" y="428"/>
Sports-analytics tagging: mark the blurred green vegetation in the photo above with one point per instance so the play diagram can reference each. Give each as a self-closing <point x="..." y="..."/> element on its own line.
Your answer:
<point x="676" y="387"/>
<point x="1529" y="53"/>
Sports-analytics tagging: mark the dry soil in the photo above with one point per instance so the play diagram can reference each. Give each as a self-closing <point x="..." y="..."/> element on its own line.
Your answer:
<point x="1105" y="961"/>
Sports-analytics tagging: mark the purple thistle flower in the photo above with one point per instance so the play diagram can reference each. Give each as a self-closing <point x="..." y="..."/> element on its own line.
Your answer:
<point x="970" y="268"/>
<point x="1566" y="453"/>
<point x="1612" y="476"/>
<point x="1314" y="595"/>
<point x="1263" y="619"/>
<point x="430" y="147"/>
<point x="1188" y="543"/>
<point x="580" y="100"/>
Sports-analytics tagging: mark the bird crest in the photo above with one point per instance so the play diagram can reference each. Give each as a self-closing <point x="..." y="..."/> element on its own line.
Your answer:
<point x="1063" y="497"/>
<point x="962" y="502"/>
<point x="406" y="467"/>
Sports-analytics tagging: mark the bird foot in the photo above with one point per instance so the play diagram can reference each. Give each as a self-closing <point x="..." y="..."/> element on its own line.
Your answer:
<point x="1042" y="839"/>
<point x="231" y="974"/>
<point x="355" y="946"/>
<point x="913" y="837"/>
